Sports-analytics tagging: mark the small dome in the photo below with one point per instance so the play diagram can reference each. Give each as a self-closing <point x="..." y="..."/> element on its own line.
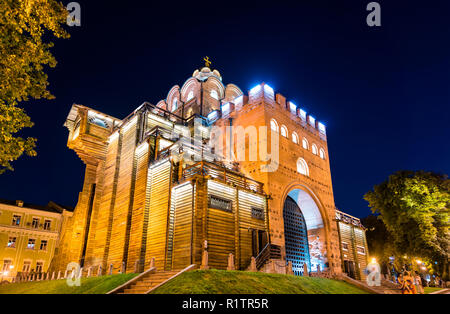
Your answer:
<point x="205" y="73"/>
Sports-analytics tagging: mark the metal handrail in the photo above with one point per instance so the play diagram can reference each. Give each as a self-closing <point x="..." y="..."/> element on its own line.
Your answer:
<point x="222" y="174"/>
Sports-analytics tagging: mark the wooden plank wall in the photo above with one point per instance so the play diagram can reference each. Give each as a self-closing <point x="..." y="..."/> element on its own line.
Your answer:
<point x="182" y="235"/>
<point x="354" y="237"/>
<point x="105" y="215"/>
<point x="220" y="226"/>
<point x="138" y="219"/>
<point x="160" y="177"/>
<point x="124" y="193"/>
<point x="247" y="222"/>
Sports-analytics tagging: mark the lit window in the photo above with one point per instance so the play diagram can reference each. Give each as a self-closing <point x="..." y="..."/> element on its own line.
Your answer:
<point x="6" y="265"/>
<point x="284" y="131"/>
<point x="214" y="94"/>
<point x="26" y="266"/>
<point x="361" y="250"/>
<point x="39" y="267"/>
<point x="47" y="224"/>
<point x="98" y="121"/>
<point x="12" y="242"/>
<point x="274" y="125"/>
<point x="314" y="149"/>
<point x="35" y="223"/>
<point x="31" y="244"/>
<point x="322" y="153"/>
<point x="344" y="246"/>
<point x="16" y="220"/>
<point x="174" y="104"/>
<point x="190" y="95"/>
<point x="302" y="167"/>
<point x="294" y="137"/>
<point x="43" y="246"/>
<point x="305" y="143"/>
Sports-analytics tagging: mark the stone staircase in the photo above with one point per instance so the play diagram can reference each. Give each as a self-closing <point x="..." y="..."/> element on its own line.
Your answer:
<point x="149" y="281"/>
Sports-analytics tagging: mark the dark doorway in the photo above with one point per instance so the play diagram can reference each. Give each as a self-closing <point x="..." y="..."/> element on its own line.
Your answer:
<point x="349" y="269"/>
<point x="295" y="236"/>
<point x="259" y="241"/>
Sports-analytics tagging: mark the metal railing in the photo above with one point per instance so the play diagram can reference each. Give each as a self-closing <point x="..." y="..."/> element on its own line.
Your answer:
<point x="222" y="174"/>
<point x="270" y="251"/>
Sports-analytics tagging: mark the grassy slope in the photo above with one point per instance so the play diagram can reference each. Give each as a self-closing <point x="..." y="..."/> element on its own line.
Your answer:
<point x="238" y="282"/>
<point x="431" y="289"/>
<point x="93" y="285"/>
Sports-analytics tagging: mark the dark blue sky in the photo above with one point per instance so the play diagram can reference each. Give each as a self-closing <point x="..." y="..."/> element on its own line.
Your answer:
<point x="382" y="92"/>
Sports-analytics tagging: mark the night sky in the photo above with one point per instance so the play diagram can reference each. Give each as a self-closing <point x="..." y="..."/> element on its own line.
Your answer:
<point x="383" y="92"/>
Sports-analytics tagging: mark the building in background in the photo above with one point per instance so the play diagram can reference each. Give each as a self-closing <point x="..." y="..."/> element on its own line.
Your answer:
<point x="353" y="244"/>
<point x="29" y="236"/>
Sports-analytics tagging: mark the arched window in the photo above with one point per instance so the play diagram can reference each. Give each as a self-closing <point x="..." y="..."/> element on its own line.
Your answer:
<point x="190" y="95"/>
<point x="302" y="167"/>
<point x="284" y="131"/>
<point x="322" y="153"/>
<point x="274" y="125"/>
<point x="294" y="137"/>
<point x="314" y="149"/>
<point x="174" y="104"/>
<point x="305" y="143"/>
<point x="214" y="94"/>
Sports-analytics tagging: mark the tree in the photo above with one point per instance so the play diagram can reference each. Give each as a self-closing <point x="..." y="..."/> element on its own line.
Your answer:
<point x="414" y="206"/>
<point x="23" y="56"/>
<point x="379" y="240"/>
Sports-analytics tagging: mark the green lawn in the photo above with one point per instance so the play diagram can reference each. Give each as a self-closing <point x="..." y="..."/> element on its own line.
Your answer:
<point x="431" y="289"/>
<point x="93" y="285"/>
<point x="239" y="282"/>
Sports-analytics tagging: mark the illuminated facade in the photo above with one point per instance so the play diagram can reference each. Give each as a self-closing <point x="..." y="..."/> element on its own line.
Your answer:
<point x="354" y="252"/>
<point x="29" y="236"/>
<point x="156" y="185"/>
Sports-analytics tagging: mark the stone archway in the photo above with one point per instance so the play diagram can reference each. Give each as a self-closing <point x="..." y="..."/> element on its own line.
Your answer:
<point x="302" y="208"/>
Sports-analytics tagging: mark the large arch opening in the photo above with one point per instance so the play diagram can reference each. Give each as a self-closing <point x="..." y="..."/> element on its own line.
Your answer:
<point x="304" y="232"/>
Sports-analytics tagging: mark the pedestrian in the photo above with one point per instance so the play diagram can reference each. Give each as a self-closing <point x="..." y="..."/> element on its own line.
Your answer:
<point x="418" y="283"/>
<point x="406" y="283"/>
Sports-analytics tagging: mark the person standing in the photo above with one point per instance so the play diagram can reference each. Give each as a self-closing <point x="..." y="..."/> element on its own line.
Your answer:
<point x="418" y="283"/>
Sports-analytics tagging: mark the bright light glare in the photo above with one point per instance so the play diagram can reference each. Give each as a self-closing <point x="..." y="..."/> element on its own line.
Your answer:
<point x="255" y="89"/>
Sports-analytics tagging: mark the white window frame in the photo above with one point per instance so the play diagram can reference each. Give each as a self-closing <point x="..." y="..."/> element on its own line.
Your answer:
<point x="274" y="122"/>
<point x="304" y="140"/>
<point x="302" y="162"/>
<point x="322" y="153"/>
<point x="295" y="137"/>
<point x="344" y="249"/>
<point x="284" y="130"/>
<point x="361" y="247"/>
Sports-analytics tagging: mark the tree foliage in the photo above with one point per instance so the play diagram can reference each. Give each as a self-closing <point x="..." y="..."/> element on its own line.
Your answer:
<point x="24" y="54"/>
<point x="414" y="206"/>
